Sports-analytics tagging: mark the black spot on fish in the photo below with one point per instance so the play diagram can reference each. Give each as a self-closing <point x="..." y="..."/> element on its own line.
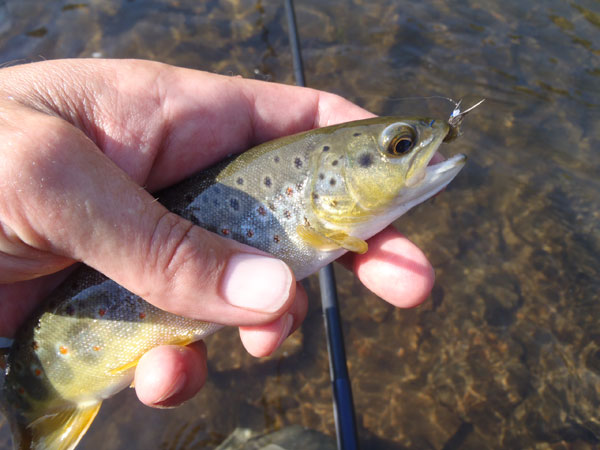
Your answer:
<point x="321" y="176"/>
<point x="287" y="214"/>
<point x="268" y="182"/>
<point x="250" y="233"/>
<point x="276" y="159"/>
<point x="189" y="197"/>
<point x="365" y="160"/>
<point x="332" y="181"/>
<point x="326" y="148"/>
<point x="334" y="162"/>
<point x="240" y="181"/>
<point x="298" y="163"/>
<point x="69" y="310"/>
<point x="315" y="196"/>
<point x="356" y="134"/>
<point x="235" y="204"/>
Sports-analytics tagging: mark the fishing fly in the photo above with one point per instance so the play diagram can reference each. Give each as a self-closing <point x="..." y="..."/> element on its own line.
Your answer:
<point x="456" y="118"/>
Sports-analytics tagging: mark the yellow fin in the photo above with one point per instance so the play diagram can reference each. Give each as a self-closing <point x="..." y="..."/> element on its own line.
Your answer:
<point x="315" y="239"/>
<point x="354" y="244"/>
<point x="60" y="431"/>
<point x="331" y="241"/>
<point x="183" y="341"/>
<point x="135" y="362"/>
<point x="124" y="367"/>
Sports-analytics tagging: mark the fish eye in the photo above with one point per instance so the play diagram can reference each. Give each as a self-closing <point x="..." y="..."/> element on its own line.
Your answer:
<point x="398" y="139"/>
<point x="401" y="145"/>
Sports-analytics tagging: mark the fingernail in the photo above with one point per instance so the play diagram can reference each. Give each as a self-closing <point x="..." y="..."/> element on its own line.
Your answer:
<point x="287" y="320"/>
<point x="256" y="282"/>
<point x="175" y="388"/>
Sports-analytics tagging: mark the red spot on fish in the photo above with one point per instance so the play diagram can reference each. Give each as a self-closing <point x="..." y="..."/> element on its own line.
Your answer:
<point x="225" y="231"/>
<point x="142" y="315"/>
<point x="262" y="211"/>
<point x="63" y="350"/>
<point x="37" y="372"/>
<point x="21" y="391"/>
<point x="289" y="191"/>
<point x="34" y="345"/>
<point x="96" y="348"/>
<point x="276" y="238"/>
<point x="101" y="312"/>
<point x="250" y="233"/>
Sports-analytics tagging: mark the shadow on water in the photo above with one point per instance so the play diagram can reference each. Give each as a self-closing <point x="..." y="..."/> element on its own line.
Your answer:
<point x="506" y="352"/>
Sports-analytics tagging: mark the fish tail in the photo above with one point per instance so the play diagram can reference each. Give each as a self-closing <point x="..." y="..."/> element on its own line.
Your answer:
<point x="58" y="431"/>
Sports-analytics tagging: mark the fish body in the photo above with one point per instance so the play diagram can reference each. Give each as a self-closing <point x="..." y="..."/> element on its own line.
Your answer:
<point x="306" y="199"/>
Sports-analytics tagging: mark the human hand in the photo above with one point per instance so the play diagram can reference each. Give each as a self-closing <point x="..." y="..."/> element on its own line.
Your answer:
<point x="77" y="140"/>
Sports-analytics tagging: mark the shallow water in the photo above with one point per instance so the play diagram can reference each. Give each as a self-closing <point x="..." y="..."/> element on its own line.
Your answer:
<point x="506" y="352"/>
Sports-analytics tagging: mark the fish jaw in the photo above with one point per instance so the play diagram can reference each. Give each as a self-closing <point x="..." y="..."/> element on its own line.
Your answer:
<point x="436" y="177"/>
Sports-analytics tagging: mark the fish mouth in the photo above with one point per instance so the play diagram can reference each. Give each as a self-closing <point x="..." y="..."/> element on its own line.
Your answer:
<point x="443" y="172"/>
<point x="433" y="179"/>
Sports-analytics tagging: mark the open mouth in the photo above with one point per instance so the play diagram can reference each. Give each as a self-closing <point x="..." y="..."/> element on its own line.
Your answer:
<point x="436" y="166"/>
<point x="438" y="175"/>
<point x="442" y="172"/>
<point x="443" y="165"/>
<point x="435" y="176"/>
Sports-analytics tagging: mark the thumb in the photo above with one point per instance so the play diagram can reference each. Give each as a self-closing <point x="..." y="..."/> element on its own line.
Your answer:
<point x="74" y="202"/>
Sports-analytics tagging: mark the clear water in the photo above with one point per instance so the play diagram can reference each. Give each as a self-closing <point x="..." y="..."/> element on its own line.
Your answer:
<point x="506" y="352"/>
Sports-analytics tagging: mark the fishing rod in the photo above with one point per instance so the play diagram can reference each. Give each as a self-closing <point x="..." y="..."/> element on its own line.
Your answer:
<point x="343" y="406"/>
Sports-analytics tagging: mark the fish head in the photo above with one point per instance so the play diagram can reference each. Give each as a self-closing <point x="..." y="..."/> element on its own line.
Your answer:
<point x="382" y="170"/>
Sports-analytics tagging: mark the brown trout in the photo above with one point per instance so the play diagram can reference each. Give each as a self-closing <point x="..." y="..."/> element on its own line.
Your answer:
<point x="306" y="199"/>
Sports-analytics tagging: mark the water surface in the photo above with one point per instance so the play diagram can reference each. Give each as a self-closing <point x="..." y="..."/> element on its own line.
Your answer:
<point x="506" y="352"/>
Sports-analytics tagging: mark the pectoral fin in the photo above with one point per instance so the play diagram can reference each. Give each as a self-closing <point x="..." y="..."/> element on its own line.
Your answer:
<point x="333" y="241"/>
<point x="59" y="431"/>
<point x="354" y="244"/>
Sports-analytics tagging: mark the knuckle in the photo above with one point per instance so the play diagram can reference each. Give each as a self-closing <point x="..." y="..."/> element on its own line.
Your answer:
<point x="179" y="260"/>
<point x="31" y="173"/>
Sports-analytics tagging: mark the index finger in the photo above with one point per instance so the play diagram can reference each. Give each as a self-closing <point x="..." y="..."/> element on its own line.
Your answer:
<point x="159" y="123"/>
<point x="213" y="116"/>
